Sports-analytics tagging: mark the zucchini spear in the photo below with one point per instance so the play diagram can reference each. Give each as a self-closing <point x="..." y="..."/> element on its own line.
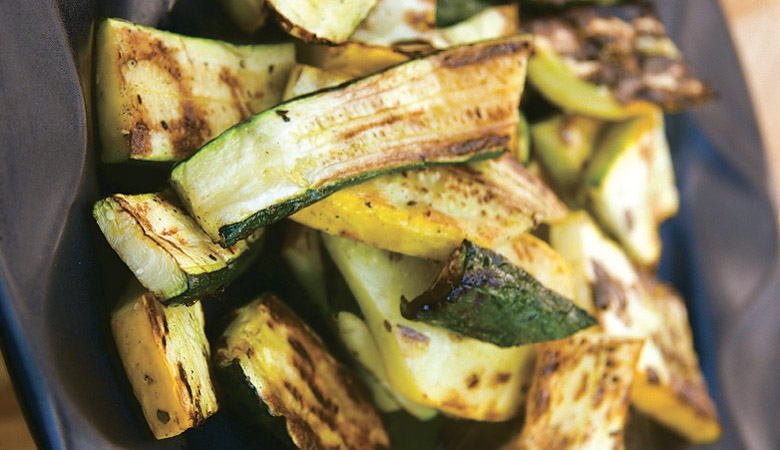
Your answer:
<point x="277" y="366"/>
<point x="454" y="106"/>
<point x="166" y="250"/>
<point x="165" y="354"/>
<point x="161" y="96"/>
<point x="481" y="295"/>
<point x="611" y="63"/>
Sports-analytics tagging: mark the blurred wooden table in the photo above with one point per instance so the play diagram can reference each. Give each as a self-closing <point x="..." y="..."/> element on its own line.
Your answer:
<point x="755" y="26"/>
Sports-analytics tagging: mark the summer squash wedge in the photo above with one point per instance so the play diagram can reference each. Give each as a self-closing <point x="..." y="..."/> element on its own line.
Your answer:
<point x="630" y="186"/>
<point x="322" y="21"/>
<point x="579" y="396"/>
<point x="160" y="96"/>
<point x="668" y="383"/>
<point x="271" y="362"/>
<point x="166" y="356"/>
<point x="429" y="365"/>
<point x="165" y="248"/>
<point x="611" y="63"/>
<point x="454" y="106"/>
<point x="480" y="294"/>
<point x="397" y="21"/>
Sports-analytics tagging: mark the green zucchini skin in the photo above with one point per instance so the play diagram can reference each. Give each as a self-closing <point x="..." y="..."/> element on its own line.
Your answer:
<point x="167" y="251"/>
<point x="481" y="295"/>
<point x="447" y="107"/>
<point x="230" y="234"/>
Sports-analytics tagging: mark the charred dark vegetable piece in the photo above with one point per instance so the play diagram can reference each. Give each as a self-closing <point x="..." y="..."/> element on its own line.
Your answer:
<point x="481" y="295"/>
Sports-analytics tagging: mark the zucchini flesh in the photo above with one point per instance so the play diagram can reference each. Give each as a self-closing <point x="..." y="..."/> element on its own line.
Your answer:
<point x="393" y="21"/>
<point x="480" y="294"/>
<point x="166" y="250"/>
<point x="165" y="354"/>
<point x="358" y="339"/>
<point x="579" y="396"/>
<point x="446" y="108"/>
<point x="305" y="79"/>
<point x="429" y="365"/>
<point x="322" y="21"/>
<point x="161" y="96"/>
<point x="608" y="62"/>
<point x="490" y="23"/>
<point x="291" y="374"/>
<point x="630" y="184"/>
<point x="351" y="59"/>
<point x="668" y="384"/>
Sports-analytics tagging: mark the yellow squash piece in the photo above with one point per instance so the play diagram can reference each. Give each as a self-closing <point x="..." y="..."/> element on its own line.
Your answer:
<point x="668" y="385"/>
<point x="426" y="364"/>
<point x="166" y="357"/>
<point x="579" y="396"/>
<point x="161" y="96"/>
<point x="321" y="21"/>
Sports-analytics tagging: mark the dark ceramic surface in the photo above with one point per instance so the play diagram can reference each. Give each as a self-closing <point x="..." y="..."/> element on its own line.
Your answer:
<point x="721" y="250"/>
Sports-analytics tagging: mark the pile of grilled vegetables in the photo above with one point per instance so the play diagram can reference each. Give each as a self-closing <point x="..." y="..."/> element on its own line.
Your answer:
<point x="369" y="236"/>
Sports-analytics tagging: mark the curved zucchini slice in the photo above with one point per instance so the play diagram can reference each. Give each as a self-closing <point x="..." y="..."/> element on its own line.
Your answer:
<point x="305" y="79"/>
<point x="480" y="294"/>
<point x="490" y="23"/>
<point x="166" y="250"/>
<point x="446" y="108"/>
<point x="161" y="96"/>
<point x="429" y="365"/>
<point x="248" y="15"/>
<point x="580" y="393"/>
<point x="289" y="373"/>
<point x="321" y="21"/>
<point x="668" y="384"/>
<point x="611" y="63"/>
<point x="165" y="354"/>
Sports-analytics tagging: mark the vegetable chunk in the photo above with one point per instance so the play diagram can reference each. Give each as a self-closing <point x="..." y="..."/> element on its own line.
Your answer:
<point x="453" y="106"/>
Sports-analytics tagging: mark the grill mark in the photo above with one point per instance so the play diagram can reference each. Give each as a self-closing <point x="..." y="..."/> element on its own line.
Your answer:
<point x="413" y="336"/>
<point x="236" y="92"/>
<point x="468" y="56"/>
<point x="301" y="350"/>
<point x="187" y="133"/>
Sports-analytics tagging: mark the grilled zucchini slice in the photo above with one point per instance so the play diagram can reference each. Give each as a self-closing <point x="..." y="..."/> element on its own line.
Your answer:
<point x="166" y="250"/>
<point x="288" y="372"/>
<point x="480" y="294"/>
<point x="321" y="21"/>
<point x="161" y="96"/>
<point x="429" y="365"/>
<point x="165" y="354"/>
<point x="580" y="392"/>
<point x="611" y="63"/>
<point x="563" y="143"/>
<point x="630" y="184"/>
<point x="305" y="79"/>
<point x="445" y="108"/>
<point x="394" y="21"/>
<point x="351" y="59"/>
<point x="668" y="385"/>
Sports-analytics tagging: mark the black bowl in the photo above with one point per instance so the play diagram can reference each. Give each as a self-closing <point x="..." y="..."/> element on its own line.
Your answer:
<point x="721" y="251"/>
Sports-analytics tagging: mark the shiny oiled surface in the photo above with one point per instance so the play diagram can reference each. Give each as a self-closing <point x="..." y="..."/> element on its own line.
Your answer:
<point x="754" y="27"/>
